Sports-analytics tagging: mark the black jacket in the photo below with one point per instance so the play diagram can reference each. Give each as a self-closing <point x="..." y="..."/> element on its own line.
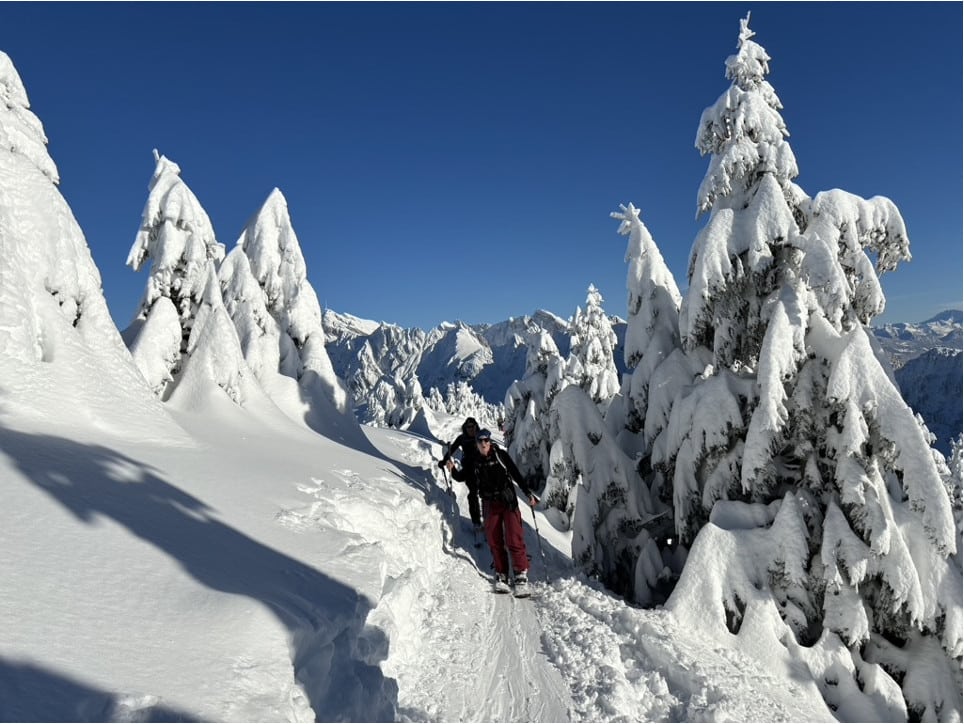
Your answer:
<point x="494" y="475"/>
<point x="470" y="454"/>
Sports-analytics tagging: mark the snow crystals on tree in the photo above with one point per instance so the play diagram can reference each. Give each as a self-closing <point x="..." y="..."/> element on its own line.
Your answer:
<point x="609" y="502"/>
<point x="461" y="401"/>
<point x="260" y="337"/>
<point x="214" y="355"/>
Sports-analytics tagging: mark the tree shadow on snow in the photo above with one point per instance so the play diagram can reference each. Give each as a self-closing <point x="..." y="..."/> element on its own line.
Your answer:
<point x="29" y="693"/>
<point x="335" y="656"/>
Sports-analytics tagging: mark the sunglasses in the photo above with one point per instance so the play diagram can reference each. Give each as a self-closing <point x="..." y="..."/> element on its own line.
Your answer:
<point x="484" y="441"/>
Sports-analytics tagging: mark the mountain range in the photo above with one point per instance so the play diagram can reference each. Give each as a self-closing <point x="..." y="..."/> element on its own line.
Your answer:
<point x="374" y="356"/>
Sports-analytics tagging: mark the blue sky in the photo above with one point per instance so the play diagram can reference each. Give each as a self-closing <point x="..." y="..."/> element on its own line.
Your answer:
<point x="449" y="161"/>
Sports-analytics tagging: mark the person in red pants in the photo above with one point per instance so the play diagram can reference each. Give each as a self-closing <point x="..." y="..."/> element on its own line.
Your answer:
<point x="496" y="475"/>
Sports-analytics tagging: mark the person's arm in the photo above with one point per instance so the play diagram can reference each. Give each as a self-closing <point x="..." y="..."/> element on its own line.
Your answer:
<point x="449" y="450"/>
<point x="460" y="474"/>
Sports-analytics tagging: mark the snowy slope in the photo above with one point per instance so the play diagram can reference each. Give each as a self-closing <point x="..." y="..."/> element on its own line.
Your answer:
<point x="265" y="573"/>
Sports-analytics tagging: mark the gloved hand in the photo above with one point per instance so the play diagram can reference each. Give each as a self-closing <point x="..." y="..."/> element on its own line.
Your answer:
<point x="441" y="463"/>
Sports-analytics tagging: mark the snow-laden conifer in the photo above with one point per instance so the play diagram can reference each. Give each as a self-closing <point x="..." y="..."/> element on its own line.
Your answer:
<point x="214" y="359"/>
<point x="259" y="334"/>
<point x="606" y="500"/>
<point x="21" y="132"/>
<point x="792" y="411"/>
<point x="290" y="351"/>
<point x="178" y="242"/>
<point x="57" y="337"/>
<point x="527" y="402"/>
<point x="592" y="342"/>
<point x="274" y="253"/>
<point x="177" y="239"/>
<point x="652" y="325"/>
<point x="461" y="401"/>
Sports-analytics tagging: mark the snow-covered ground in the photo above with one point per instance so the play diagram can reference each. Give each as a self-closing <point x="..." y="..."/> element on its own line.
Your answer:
<point x="256" y="571"/>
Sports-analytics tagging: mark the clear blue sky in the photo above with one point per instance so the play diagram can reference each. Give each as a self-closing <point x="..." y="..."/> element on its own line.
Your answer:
<point x="449" y="161"/>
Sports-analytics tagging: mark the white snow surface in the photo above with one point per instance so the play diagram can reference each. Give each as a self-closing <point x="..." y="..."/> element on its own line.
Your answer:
<point x="261" y="572"/>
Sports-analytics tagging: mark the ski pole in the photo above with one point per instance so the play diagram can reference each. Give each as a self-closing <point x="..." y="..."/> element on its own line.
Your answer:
<point x="450" y="491"/>
<point x="448" y="483"/>
<point x="542" y="553"/>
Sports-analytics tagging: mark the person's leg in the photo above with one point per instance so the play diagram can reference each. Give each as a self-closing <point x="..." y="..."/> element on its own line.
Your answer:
<point x="475" y="511"/>
<point x="495" y="537"/>
<point x="515" y="540"/>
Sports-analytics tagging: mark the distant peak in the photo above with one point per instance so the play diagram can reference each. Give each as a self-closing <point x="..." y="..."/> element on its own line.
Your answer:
<point x="948" y="315"/>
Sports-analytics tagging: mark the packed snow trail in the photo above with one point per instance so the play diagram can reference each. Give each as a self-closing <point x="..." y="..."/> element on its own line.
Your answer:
<point x="572" y="652"/>
<point x="458" y="651"/>
<point x="272" y="575"/>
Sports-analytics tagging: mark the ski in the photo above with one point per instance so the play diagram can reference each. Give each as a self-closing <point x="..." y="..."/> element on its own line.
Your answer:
<point x="523" y="590"/>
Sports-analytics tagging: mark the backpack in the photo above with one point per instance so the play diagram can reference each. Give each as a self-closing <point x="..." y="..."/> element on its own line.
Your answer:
<point x="494" y="480"/>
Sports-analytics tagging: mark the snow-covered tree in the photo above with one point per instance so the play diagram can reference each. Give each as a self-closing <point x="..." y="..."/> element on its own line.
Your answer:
<point x="462" y="401"/>
<point x="392" y="402"/>
<point x="258" y="332"/>
<point x="21" y="132"/>
<point x="793" y="414"/>
<point x="954" y="482"/>
<point x="652" y="327"/>
<point x="276" y="260"/>
<point x="434" y="400"/>
<point x="55" y="327"/>
<point x="591" y="364"/>
<point x="527" y="402"/>
<point x="213" y="359"/>
<point x="177" y="240"/>
<point x="606" y="501"/>
<point x="277" y="264"/>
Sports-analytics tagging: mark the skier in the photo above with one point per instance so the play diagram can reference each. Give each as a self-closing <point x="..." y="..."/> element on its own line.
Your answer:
<point x="495" y="473"/>
<point x="466" y="441"/>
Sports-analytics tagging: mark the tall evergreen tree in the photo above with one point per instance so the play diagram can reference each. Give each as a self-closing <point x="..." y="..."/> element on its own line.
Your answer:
<point x="606" y="501"/>
<point x="177" y="240"/>
<point x="21" y="132"/>
<point x="652" y="349"/>
<point x="55" y="327"/>
<point x="281" y="327"/>
<point x="592" y="342"/>
<point x="792" y="410"/>
<point x="274" y="254"/>
<point x="259" y="334"/>
<point x="527" y="403"/>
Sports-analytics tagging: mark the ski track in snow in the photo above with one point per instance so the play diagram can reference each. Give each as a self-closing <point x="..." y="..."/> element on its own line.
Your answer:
<point x="459" y="652"/>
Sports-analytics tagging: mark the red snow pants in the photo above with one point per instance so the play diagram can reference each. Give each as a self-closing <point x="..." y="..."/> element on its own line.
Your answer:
<point x="503" y="529"/>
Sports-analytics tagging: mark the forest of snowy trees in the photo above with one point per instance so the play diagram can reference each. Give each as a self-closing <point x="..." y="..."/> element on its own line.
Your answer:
<point x="758" y="435"/>
<point x="757" y="446"/>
